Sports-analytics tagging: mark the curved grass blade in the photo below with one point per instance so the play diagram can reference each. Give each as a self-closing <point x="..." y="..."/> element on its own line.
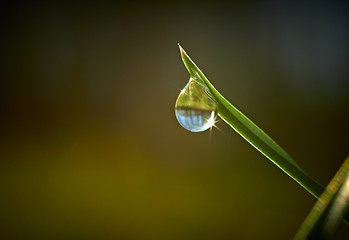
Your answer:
<point x="324" y="218"/>
<point x="253" y="134"/>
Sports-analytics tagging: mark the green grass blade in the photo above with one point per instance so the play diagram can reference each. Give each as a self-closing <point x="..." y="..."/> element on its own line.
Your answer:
<point x="324" y="218"/>
<point x="253" y="134"/>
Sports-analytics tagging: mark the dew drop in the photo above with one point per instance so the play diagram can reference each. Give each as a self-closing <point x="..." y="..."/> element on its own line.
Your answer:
<point x="195" y="107"/>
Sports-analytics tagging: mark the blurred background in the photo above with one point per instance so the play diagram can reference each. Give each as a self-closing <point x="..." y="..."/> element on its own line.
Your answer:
<point x="90" y="146"/>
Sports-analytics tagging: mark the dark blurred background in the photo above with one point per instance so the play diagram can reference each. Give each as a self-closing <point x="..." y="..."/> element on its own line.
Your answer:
<point x="90" y="146"/>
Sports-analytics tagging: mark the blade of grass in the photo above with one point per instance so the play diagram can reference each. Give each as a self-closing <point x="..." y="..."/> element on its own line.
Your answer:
<point x="324" y="218"/>
<point x="253" y="134"/>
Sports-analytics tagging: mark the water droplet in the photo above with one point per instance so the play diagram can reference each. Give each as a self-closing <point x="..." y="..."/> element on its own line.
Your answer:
<point x="195" y="107"/>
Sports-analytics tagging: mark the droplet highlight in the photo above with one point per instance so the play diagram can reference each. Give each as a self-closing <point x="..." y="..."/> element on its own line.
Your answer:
<point x="195" y="107"/>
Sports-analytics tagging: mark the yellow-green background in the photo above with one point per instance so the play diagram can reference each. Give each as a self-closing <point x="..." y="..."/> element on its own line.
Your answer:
<point x="90" y="147"/>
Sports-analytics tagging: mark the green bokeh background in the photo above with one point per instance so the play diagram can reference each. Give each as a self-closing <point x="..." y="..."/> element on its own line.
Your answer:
<point x="90" y="146"/>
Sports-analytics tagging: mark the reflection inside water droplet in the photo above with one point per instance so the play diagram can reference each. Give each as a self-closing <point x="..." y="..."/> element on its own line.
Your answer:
<point x="195" y="107"/>
<point x="195" y="120"/>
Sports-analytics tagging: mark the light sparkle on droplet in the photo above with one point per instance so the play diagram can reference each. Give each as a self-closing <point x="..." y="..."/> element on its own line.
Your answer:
<point x="195" y="109"/>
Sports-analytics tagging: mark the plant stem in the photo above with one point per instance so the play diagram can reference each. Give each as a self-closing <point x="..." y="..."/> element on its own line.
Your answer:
<point x="253" y="134"/>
